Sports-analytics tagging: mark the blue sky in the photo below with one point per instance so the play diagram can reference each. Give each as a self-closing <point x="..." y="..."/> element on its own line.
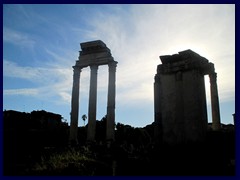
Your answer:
<point x="41" y="44"/>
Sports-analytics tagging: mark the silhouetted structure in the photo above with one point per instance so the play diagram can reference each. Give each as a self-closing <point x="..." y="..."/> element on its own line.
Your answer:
<point x="180" y="98"/>
<point x="93" y="54"/>
<point x="233" y="119"/>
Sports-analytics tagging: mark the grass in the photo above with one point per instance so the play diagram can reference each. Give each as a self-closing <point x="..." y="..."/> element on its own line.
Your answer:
<point x="71" y="162"/>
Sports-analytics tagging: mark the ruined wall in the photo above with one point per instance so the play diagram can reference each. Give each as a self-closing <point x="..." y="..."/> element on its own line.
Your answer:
<point x="180" y="98"/>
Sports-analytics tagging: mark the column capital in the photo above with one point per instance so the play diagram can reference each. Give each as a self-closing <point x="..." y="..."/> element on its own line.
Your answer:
<point x="112" y="66"/>
<point x="113" y="63"/>
<point x="77" y="69"/>
<point x="213" y="77"/>
<point x="94" y="67"/>
<point x="76" y="72"/>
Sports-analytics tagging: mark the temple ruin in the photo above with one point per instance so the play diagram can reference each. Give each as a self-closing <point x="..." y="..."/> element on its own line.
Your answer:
<point x="180" y="98"/>
<point x="93" y="54"/>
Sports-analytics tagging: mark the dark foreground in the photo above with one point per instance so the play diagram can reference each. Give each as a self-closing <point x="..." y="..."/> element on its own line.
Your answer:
<point x="215" y="157"/>
<point x="34" y="146"/>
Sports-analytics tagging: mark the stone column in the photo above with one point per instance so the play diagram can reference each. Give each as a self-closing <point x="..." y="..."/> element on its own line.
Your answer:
<point x="74" y="106"/>
<point x="92" y="104"/>
<point x="216" y="123"/>
<point x="233" y="119"/>
<point x="157" y="110"/>
<point x="181" y="129"/>
<point x="111" y="101"/>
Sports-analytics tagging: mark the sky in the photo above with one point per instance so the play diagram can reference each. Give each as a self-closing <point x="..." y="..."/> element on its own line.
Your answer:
<point x="41" y="43"/>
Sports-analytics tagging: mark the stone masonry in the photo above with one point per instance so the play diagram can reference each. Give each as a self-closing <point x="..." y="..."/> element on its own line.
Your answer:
<point x="93" y="54"/>
<point x="180" y="98"/>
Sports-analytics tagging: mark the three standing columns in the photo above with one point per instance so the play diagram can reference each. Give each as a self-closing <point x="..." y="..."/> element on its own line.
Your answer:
<point x="93" y="104"/>
<point x="216" y="122"/>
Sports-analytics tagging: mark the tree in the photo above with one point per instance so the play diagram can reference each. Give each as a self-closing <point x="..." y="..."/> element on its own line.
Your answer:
<point x="84" y="117"/>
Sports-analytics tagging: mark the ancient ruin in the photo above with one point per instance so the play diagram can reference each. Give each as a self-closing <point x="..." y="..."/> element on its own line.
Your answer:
<point x="93" y="54"/>
<point x="180" y="98"/>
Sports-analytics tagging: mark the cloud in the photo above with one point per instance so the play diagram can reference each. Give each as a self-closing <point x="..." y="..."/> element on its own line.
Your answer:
<point x="50" y="81"/>
<point x="65" y="96"/>
<point x="137" y="38"/>
<point x="24" y="92"/>
<point x="17" y="38"/>
<point x="11" y="69"/>
<point x="136" y="35"/>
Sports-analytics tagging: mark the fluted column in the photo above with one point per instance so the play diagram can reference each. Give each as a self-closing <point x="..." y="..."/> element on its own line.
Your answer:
<point x="74" y="106"/>
<point x="216" y="122"/>
<point x="111" y="101"/>
<point x="92" y="104"/>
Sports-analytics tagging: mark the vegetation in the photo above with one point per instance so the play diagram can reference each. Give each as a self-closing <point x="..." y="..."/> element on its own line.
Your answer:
<point x="84" y="117"/>
<point x="70" y="162"/>
<point x="36" y="143"/>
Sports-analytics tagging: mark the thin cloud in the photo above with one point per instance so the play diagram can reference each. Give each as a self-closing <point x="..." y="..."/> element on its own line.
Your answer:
<point x="136" y="35"/>
<point x="65" y="96"/>
<point x="24" y="92"/>
<point x="11" y="69"/>
<point x="16" y="38"/>
<point x="153" y="30"/>
<point x="50" y="81"/>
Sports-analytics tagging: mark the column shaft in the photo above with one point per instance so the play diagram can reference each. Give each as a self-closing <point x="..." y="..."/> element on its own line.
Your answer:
<point x="111" y="101"/>
<point x="157" y="110"/>
<point x="216" y="123"/>
<point x="92" y="104"/>
<point x="74" y="106"/>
